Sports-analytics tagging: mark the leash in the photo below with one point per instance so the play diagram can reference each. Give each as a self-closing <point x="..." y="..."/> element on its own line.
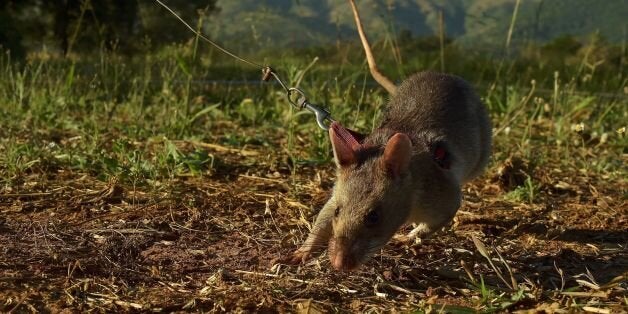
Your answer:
<point x="296" y="97"/>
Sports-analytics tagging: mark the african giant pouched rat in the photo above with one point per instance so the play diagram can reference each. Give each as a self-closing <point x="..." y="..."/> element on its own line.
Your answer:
<point x="435" y="136"/>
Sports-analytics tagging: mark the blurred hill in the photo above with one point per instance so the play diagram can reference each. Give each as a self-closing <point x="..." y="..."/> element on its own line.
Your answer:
<point x="480" y="23"/>
<point x="83" y="26"/>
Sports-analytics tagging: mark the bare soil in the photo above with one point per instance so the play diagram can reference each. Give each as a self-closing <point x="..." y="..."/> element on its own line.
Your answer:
<point x="69" y="242"/>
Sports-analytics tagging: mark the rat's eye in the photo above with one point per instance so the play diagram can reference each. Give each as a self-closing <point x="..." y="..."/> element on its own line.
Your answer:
<point x="371" y="218"/>
<point x="337" y="211"/>
<point x="441" y="157"/>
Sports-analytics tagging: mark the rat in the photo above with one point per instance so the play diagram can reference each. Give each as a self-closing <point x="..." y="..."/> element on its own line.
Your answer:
<point x="434" y="137"/>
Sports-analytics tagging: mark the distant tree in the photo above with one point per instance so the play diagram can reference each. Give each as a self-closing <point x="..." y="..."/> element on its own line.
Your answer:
<point x="83" y="25"/>
<point x="9" y="38"/>
<point x="561" y="46"/>
<point x="10" y="34"/>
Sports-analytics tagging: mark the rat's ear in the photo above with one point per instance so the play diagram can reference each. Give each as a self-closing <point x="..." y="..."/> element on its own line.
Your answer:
<point x="359" y="137"/>
<point x="345" y="144"/>
<point x="396" y="158"/>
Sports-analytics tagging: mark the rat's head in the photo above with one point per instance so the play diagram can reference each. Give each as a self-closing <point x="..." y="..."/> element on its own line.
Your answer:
<point x="372" y="195"/>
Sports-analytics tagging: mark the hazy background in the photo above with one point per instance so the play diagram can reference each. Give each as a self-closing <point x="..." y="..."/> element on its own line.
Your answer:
<point x="250" y="25"/>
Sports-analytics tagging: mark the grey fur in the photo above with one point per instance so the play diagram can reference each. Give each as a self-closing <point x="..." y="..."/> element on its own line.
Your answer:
<point x="429" y="108"/>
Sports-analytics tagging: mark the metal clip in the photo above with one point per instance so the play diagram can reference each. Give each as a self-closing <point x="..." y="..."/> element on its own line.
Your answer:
<point x="322" y="115"/>
<point x="297" y="99"/>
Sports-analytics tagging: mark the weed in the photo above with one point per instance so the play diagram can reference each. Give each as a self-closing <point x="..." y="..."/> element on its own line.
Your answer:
<point x="524" y="193"/>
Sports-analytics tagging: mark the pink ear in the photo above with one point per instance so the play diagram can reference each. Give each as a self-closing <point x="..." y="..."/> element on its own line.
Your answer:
<point x="397" y="153"/>
<point x="345" y="144"/>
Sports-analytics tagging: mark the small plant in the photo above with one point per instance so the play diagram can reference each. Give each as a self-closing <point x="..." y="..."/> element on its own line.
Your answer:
<point x="180" y="163"/>
<point x="524" y="193"/>
<point x="495" y="299"/>
<point x="18" y="159"/>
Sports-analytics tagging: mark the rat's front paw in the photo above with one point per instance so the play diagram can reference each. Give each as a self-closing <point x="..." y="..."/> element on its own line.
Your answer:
<point x="298" y="257"/>
<point x="414" y="236"/>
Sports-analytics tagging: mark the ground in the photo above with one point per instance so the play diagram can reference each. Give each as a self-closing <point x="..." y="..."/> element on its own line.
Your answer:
<point x="212" y="242"/>
<point x="134" y="184"/>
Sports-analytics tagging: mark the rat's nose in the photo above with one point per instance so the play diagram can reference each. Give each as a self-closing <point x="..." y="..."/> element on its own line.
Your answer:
<point x="337" y="261"/>
<point x="340" y="255"/>
<point x="342" y="262"/>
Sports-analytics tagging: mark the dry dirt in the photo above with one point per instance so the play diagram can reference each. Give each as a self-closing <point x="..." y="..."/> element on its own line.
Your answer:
<point x="70" y="242"/>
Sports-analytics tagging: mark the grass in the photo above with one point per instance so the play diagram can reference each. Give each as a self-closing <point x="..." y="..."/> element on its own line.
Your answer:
<point x="182" y="191"/>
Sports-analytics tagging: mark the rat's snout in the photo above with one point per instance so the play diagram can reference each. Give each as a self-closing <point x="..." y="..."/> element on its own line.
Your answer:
<point x="341" y="254"/>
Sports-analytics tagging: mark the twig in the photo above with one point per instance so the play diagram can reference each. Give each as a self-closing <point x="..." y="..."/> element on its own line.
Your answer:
<point x="221" y="148"/>
<point x="384" y="81"/>
<point x="598" y="294"/>
<point x="261" y="179"/>
<point x="25" y="194"/>
<point x="272" y="276"/>
<point x="18" y="304"/>
<point x="125" y="231"/>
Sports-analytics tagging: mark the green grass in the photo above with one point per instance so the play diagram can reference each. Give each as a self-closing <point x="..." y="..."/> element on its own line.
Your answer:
<point x="107" y="108"/>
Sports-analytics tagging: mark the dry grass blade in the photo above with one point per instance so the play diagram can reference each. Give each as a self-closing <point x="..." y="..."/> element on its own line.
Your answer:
<point x="592" y="309"/>
<point x="562" y="276"/>
<point x="484" y="252"/>
<point x="19" y="195"/>
<point x="615" y="282"/>
<point x="309" y="307"/>
<point x="513" y="280"/>
<point x="597" y="294"/>
<point x="220" y="148"/>
<point x="480" y="246"/>
<point x="588" y="284"/>
<point x="468" y="271"/>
